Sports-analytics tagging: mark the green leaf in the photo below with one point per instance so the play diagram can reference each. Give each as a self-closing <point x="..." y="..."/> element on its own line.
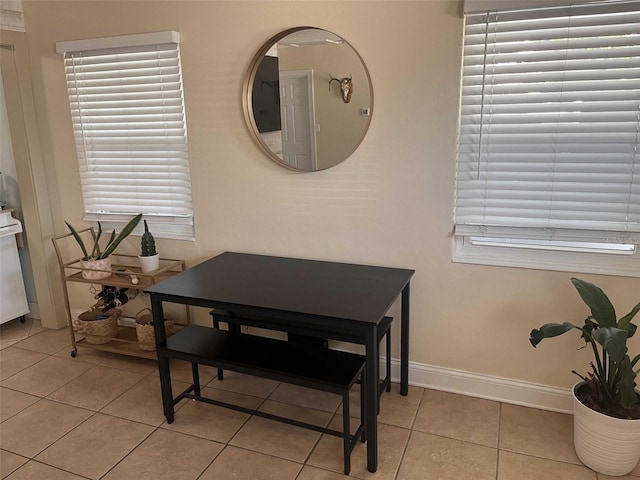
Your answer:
<point x="549" y="330"/>
<point x="601" y="308"/>
<point x="114" y="242"/>
<point x="625" y="322"/>
<point x="588" y="327"/>
<point x="95" y="253"/>
<point x="626" y="385"/>
<point x="613" y="340"/>
<point x="79" y="240"/>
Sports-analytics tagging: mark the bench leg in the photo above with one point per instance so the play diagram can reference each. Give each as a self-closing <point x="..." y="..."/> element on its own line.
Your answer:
<point x="346" y="432"/>
<point x="232" y="328"/>
<point x="363" y="437"/>
<point x="216" y="324"/>
<point x="196" y="378"/>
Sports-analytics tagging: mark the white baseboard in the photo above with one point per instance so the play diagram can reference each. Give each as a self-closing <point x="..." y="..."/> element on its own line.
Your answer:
<point x="486" y="386"/>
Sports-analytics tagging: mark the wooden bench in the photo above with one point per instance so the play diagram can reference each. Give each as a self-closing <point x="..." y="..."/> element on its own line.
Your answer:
<point x="330" y="371"/>
<point x="235" y="321"/>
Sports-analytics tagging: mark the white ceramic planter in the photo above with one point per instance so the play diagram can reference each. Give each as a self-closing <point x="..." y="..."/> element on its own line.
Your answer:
<point x="608" y="445"/>
<point x="149" y="264"/>
<point x="96" y="269"/>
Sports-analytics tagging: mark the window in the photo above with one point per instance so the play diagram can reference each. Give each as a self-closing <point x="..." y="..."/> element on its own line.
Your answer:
<point x="129" y="123"/>
<point x="548" y="167"/>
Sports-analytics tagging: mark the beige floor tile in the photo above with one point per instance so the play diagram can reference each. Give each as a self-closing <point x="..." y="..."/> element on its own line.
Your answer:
<point x="245" y="384"/>
<point x="313" y="473"/>
<point x="47" y="341"/>
<point x="132" y="364"/>
<point x="210" y="421"/>
<point x="523" y="467"/>
<point x="181" y="370"/>
<point x="303" y="414"/>
<point x="96" y="387"/>
<point x="306" y="397"/>
<point x="38" y="471"/>
<point x="453" y="436"/>
<point x="46" y="376"/>
<point x="625" y="477"/>
<point x="36" y="327"/>
<point x="94" y="447"/>
<point x="14" y="331"/>
<point x="12" y="402"/>
<point x="14" y="360"/>
<point x="158" y="455"/>
<point x="123" y="362"/>
<point x="236" y="463"/>
<point x="538" y="433"/>
<point x="278" y="438"/>
<point x="430" y="457"/>
<point x="457" y="416"/>
<point x="391" y="444"/>
<point x="399" y="410"/>
<point x="10" y="462"/>
<point x="38" y="426"/>
<point x="143" y="401"/>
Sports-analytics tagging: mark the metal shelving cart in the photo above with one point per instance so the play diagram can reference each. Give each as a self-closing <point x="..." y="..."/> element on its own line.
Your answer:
<point x="126" y="273"/>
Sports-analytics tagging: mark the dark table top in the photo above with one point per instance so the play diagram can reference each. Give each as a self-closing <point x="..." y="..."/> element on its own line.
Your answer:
<point x="237" y="281"/>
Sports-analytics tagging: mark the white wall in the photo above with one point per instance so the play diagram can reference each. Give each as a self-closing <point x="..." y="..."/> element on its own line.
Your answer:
<point x="389" y="204"/>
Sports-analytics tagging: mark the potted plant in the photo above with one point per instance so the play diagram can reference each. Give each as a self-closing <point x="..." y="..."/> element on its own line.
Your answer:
<point x="606" y="403"/>
<point x="97" y="264"/>
<point x="149" y="257"/>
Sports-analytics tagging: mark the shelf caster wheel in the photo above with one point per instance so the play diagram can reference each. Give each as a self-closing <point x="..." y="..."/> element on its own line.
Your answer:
<point x="23" y="319"/>
<point x="74" y="353"/>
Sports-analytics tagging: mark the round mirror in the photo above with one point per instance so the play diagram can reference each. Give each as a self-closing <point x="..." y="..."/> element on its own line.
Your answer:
<point x="307" y="99"/>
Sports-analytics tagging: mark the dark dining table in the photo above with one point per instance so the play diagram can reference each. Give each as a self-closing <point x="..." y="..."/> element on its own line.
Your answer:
<point x="302" y="295"/>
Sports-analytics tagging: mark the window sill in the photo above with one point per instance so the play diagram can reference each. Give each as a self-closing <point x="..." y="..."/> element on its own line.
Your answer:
<point x="563" y="261"/>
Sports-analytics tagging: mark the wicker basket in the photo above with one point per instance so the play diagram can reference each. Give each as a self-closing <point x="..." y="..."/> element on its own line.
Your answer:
<point x="98" y="327"/>
<point x="144" y="329"/>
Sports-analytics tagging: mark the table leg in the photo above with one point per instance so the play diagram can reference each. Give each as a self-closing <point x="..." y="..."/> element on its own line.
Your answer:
<point x="163" y="362"/>
<point x="371" y="397"/>
<point x="404" y="342"/>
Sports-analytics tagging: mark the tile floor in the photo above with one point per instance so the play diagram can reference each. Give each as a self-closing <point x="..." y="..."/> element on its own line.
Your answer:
<point x="99" y="416"/>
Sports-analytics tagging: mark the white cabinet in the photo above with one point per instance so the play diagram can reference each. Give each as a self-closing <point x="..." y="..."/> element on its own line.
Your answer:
<point x="13" y="298"/>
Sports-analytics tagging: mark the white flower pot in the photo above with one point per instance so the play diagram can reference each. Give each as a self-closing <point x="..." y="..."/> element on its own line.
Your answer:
<point x="608" y="445"/>
<point x="149" y="264"/>
<point x="96" y="269"/>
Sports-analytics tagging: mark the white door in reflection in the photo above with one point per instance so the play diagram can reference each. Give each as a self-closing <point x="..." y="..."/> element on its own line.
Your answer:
<point x="298" y="119"/>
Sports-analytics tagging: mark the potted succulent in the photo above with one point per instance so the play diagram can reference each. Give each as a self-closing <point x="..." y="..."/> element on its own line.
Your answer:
<point x="606" y="402"/>
<point x="97" y="264"/>
<point x="149" y="257"/>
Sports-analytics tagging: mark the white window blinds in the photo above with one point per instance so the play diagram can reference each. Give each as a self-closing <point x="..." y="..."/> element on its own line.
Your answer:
<point x="549" y="124"/>
<point x="130" y="131"/>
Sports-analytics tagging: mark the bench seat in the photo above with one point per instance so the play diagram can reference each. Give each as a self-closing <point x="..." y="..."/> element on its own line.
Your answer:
<point x="235" y="321"/>
<point x="329" y="370"/>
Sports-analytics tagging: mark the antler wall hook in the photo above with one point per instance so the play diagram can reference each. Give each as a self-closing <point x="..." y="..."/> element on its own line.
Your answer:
<point x="346" y="87"/>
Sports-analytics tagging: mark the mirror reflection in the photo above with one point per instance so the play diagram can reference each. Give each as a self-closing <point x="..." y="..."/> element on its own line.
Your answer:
<point x="308" y="99"/>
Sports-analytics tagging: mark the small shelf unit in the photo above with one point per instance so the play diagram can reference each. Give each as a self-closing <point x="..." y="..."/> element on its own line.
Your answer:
<point x="126" y="273"/>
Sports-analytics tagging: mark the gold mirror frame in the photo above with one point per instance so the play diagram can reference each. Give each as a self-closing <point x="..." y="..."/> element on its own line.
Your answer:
<point x="247" y="98"/>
